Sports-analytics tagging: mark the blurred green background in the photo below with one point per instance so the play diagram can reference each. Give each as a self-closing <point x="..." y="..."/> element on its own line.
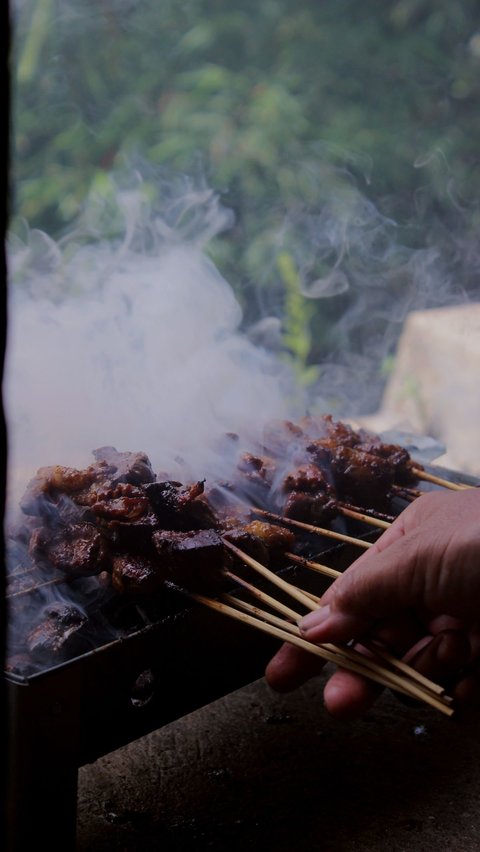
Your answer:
<point x="343" y="135"/>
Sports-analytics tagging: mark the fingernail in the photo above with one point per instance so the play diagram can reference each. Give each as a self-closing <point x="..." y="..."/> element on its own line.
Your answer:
<point x="313" y="619"/>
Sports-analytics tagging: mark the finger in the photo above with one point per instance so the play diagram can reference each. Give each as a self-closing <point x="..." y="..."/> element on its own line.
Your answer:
<point x="325" y="624"/>
<point x="401" y="579"/>
<point x="347" y="696"/>
<point x="440" y="623"/>
<point x="398" y="635"/>
<point x="291" y="667"/>
<point x="442" y="657"/>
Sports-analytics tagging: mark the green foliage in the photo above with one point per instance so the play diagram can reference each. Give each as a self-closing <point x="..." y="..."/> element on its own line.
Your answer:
<point x="298" y="312"/>
<point x="281" y="105"/>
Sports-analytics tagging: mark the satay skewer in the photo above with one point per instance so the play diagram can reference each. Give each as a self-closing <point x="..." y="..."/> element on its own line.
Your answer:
<point x="312" y="603"/>
<point x="367" y="511"/>
<point x="314" y="566"/>
<point x="57" y="581"/>
<point x="265" y="572"/>
<point x="338" y="658"/>
<point x="406" y="493"/>
<point x="349" y="652"/>
<point x="438" y="480"/>
<point x="349" y="539"/>
<point x="272" y="602"/>
<point x="371" y="646"/>
<point x="365" y="519"/>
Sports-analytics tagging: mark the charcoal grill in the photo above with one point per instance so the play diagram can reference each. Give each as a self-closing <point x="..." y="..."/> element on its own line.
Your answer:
<point x="78" y="711"/>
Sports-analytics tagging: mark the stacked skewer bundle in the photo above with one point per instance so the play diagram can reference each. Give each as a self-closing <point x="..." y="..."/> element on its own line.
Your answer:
<point x="343" y="452"/>
<point x="281" y="621"/>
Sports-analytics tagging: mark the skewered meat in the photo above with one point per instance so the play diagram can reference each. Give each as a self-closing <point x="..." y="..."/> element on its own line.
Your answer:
<point x="398" y="457"/>
<point x="58" y="634"/>
<point x="317" y="508"/>
<point x="359" y="477"/>
<point x="310" y="495"/>
<point x="179" y="507"/>
<point x="333" y="433"/>
<point x="132" y="536"/>
<point x="309" y="478"/>
<point x="257" y="470"/>
<point x="194" y="559"/>
<point x="130" y="531"/>
<point x="137" y="575"/>
<point x="276" y="539"/>
<point x="111" y="468"/>
<point x="265" y="542"/>
<point x="47" y="480"/>
<point x="122" y="502"/>
<point x="250" y="543"/>
<point x="78" y="550"/>
<point x="134" y="468"/>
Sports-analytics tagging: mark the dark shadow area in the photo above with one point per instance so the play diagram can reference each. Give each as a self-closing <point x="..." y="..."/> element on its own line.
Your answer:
<point x="5" y="93"/>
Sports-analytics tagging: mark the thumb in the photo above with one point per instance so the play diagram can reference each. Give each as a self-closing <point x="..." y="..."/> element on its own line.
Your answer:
<point x="380" y="584"/>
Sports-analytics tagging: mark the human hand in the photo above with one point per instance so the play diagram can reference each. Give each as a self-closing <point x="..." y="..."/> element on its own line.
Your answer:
<point x="417" y="592"/>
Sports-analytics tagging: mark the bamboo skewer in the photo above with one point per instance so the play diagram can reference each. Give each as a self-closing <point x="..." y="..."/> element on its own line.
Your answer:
<point x="315" y="566"/>
<point x="405" y="493"/>
<point x="34" y="588"/>
<point x="438" y="480"/>
<point x="313" y="529"/>
<point x="373" y="647"/>
<point x="299" y="596"/>
<point x="350" y="653"/>
<point x="312" y="602"/>
<point x="337" y="657"/>
<point x="365" y="519"/>
<point x="261" y="613"/>
<point x="293" y="628"/>
<point x="369" y="512"/>
<point x="290" y="613"/>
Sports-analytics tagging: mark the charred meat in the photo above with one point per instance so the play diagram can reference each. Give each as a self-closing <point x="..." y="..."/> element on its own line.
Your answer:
<point x="134" y="468"/>
<point x="134" y="575"/>
<point x="79" y="550"/>
<point x="193" y="559"/>
<point x="58" y="633"/>
<point x="310" y="508"/>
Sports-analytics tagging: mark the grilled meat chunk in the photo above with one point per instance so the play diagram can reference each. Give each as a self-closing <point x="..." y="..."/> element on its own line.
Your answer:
<point x="79" y="550"/>
<point x="317" y="508"/>
<point x="43" y="489"/>
<point x="276" y="539"/>
<point x="180" y="507"/>
<point x="123" y="501"/>
<point x="332" y="433"/>
<point x="136" y="575"/>
<point x="361" y="478"/>
<point x="59" y="633"/>
<point x="134" y="468"/>
<point x="309" y="478"/>
<point x="255" y="470"/>
<point x="249" y="543"/>
<point x="397" y="457"/>
<point x="193" y="559"/>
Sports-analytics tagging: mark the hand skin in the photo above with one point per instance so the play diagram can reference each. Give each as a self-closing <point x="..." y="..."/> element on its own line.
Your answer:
<point x="417" y="591"/>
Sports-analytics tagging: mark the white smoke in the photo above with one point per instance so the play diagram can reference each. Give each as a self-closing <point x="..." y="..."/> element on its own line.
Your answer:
<point x="141" y="351"/>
